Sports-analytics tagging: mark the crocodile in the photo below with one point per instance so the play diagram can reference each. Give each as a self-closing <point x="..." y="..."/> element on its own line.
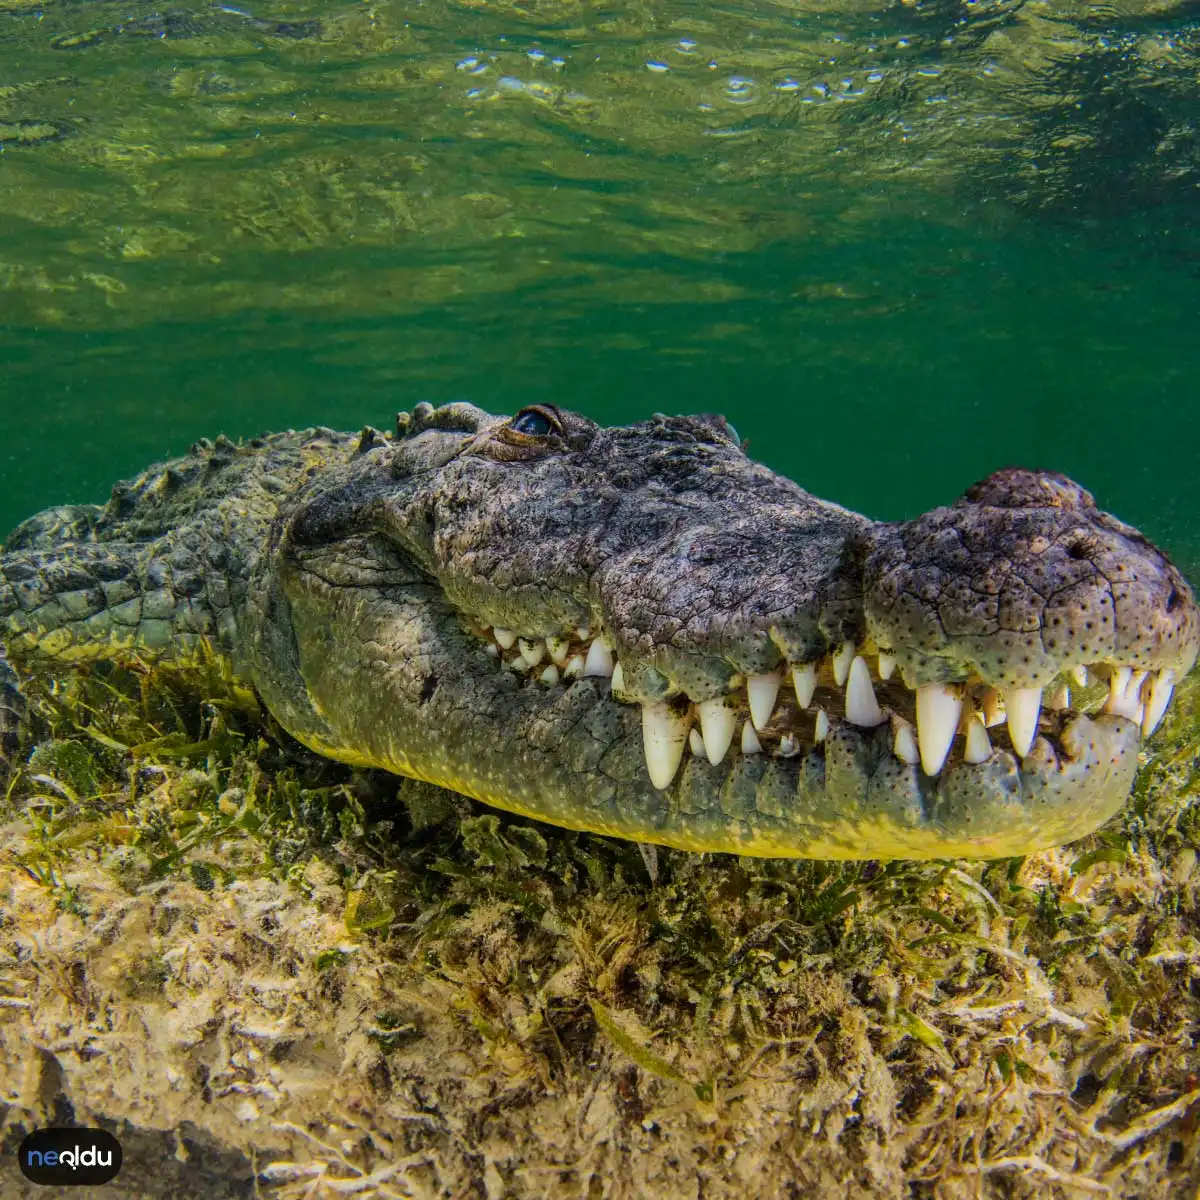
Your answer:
<point x="637" y="631"/>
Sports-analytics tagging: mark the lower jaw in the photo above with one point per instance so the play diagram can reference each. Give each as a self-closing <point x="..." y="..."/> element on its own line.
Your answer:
<point x="847" y="798"/>
<point x="854" y="800"/>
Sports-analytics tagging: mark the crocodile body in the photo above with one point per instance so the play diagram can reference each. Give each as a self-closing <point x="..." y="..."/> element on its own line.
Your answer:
<point x="637" y="631"/>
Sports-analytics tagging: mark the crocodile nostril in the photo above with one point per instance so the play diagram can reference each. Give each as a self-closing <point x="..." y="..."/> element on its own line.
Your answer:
<point x="1077" y="550"/>
<point x="1173" y="600"/>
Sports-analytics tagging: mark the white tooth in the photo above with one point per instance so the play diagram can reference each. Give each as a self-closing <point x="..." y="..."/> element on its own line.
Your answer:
<point x="505" y="637"/>
<point x="599" y="659"/>
<point x="549" y="675"/>
<point x="862" y="708"/>
<point x="1060" y="698"/>
<point x="761" y="691"/>
<point x="804" y="680"/>
<point x="695" y="742"/>
<point x="841" y="663"/>
<point x="1122" y="698"/>
<point x="938" y="710"/>
<point x="560" y="649"/>
<point x="789" y="746"/>
<point x="750" y="742"/>
<point x="583" y="632"/>
<point x="904" y="745"/>
<point x="532" y="652"/>
<point x="492" y="649"/>
<point x="993" y="708"/>
<point x="1080" y="674"/>
<point x="664" y="736"/>
<point x="717" y="723"/>
<point x="1130" y="705"/>
<point x="574" y="667"/>
<point x="618" y="678"/>
<point x="887" y="665"/>
<point x="517" y="664"/>
<point x="1162" y="687"/>
<point x="1023" y="705"/>
<point x="979" y="748"/>
<point x="821" y="727"/>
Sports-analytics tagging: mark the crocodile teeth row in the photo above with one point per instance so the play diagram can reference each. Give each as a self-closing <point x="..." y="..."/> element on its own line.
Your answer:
<point x="942" y="711"/>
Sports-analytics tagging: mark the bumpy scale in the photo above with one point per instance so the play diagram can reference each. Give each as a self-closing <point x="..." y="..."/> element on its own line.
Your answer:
<point x="637" y="631"/>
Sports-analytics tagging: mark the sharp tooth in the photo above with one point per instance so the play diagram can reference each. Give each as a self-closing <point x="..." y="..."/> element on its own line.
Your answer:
<point x="574" y="667"/>
<point x="717" y="723"/>
<point x="532" y="652"/>
<point x="1023" y="705"/>
<point x="583" y="632"/>
<point x="560" y="649"/>
<point x="904" y="744"/>
<point x="505" y="637"/>
<point x="492" y="649"/>
<point x="938" y="710"/>
<point x="618" y="678"/>
<point x="1162" y="687"/>
<point x="695" y="742"/>
<point x="517" y="664"/>
<point x="979" y="747"/>
<point x="761" y="691"/>
<point x="1080" y="674"/>
<point x="664" y="736"/>
<point x="821" y="727"/>
<point x="887" y="665"/>
<point x="599" y="659"/>
<point x="1122" y="695"/>
<point x="841" y="663"/>
<point x="861" y="706"/>
<point x="804" y="680"/>
<point x="750" y="742"/>
<point x="993" y="708"/>
<point x="1060" y="698"/>
<point x="549" y="675"/>
<point x="789" y="745"/>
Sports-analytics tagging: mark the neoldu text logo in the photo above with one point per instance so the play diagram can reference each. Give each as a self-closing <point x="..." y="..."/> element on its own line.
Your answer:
<point x="70" y="1156"/>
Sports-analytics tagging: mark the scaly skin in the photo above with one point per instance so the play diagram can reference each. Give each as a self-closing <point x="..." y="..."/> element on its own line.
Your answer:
<point x="369" y="587"/>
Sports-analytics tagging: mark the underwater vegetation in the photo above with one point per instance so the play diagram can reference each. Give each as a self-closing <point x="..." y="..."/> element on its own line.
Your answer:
<point x="249" y="961"/>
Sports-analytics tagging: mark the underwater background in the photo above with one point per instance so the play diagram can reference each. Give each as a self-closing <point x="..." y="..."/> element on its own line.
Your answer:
<point x="898" y="245"/>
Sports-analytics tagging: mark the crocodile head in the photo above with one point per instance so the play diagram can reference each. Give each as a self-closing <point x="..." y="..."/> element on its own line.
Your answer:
<point x="640" y="631"/>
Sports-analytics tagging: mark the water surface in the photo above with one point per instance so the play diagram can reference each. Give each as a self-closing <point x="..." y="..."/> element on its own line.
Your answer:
<point x="897" y="245"/>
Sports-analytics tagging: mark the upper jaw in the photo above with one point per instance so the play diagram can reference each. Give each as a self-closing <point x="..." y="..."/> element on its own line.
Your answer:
<point x="1021" y="582"/>
<point x="966" y="631"/>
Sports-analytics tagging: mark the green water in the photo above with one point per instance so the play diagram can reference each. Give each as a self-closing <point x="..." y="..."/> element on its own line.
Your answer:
<point x="897" y="245"/>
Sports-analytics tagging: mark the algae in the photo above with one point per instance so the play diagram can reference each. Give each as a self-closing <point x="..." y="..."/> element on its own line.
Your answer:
<point x="275" y="976"/>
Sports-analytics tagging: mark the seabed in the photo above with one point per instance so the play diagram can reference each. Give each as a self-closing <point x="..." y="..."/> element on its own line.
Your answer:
<point x="274" y="976"/>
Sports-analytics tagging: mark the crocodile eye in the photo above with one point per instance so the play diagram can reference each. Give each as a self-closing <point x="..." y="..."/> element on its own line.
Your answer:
<point x="536" y="422"/>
